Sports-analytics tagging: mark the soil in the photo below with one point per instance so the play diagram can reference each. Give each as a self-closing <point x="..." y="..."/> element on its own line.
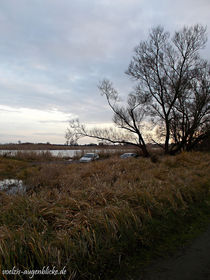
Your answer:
<point x="191" y="263"/>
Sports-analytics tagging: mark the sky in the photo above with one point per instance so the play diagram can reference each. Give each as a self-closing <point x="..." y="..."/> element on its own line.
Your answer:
<point x="54" y="53"/>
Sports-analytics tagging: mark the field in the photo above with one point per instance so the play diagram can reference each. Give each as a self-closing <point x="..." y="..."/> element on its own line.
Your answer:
<point x="95" y="219"/>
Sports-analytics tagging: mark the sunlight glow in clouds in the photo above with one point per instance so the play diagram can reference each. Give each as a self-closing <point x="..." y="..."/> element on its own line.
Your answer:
<point x="26" y="124"/>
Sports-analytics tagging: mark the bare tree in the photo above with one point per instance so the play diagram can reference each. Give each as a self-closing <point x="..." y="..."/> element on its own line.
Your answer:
<point x="172" y="91"/>
<point x="191" y="113"/>
<point x="128" y="120"/>
<point x="71" y="138"/>
<point x="171" y="72"/>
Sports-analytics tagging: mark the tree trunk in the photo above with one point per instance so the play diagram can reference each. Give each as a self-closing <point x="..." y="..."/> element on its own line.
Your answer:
<point x="167" y="138"/>
<point x="144" y="150"/>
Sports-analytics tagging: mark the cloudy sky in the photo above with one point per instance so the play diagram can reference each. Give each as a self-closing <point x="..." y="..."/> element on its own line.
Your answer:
<point x="53" y="53"/>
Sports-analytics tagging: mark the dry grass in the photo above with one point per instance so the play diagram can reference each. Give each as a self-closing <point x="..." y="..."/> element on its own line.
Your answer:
<point x="89" y="217"/>
<point x="31" y="156"/>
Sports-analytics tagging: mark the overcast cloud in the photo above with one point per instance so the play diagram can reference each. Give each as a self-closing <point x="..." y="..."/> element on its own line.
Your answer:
<point x="53" y="53"/>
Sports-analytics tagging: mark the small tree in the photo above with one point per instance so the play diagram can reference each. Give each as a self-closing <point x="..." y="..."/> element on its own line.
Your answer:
<point x="128" y="121"/>
<point x="71" y="138"/>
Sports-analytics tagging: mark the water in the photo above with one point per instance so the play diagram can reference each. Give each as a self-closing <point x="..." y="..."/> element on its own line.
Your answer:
<point x="12" y="186"/>
<point x="60" y="153"/>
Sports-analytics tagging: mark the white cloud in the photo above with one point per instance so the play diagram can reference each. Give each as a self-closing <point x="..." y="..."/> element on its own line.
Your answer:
<point x="29" y="124"/>
<point x="54" y="53"/>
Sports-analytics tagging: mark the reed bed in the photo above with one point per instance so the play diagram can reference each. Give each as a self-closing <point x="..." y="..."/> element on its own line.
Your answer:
<point x="92" y="217"/>
<point x="32" y="156"/>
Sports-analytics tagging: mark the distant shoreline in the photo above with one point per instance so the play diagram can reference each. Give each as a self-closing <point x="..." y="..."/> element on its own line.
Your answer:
<point x="30" y="146"/>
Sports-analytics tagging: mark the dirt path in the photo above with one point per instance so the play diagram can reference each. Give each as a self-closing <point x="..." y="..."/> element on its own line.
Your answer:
<point x="190" y="263"/>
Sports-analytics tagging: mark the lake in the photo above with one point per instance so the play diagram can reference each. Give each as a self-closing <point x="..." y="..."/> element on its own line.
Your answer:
<point x="12" y="186"/>
<point x="61" y="153"/>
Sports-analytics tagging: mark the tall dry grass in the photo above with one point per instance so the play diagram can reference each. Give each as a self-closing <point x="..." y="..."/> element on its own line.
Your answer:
<point x="32" y="156"/>
<point x="91" y="217"/>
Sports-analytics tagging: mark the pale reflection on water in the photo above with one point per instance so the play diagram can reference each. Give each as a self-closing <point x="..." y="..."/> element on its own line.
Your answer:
<point x="60" y="153"/>
<point x="12" y="186"/>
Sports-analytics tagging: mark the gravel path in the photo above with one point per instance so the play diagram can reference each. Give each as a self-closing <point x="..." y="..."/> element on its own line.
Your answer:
<point x="190" y="263"/>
